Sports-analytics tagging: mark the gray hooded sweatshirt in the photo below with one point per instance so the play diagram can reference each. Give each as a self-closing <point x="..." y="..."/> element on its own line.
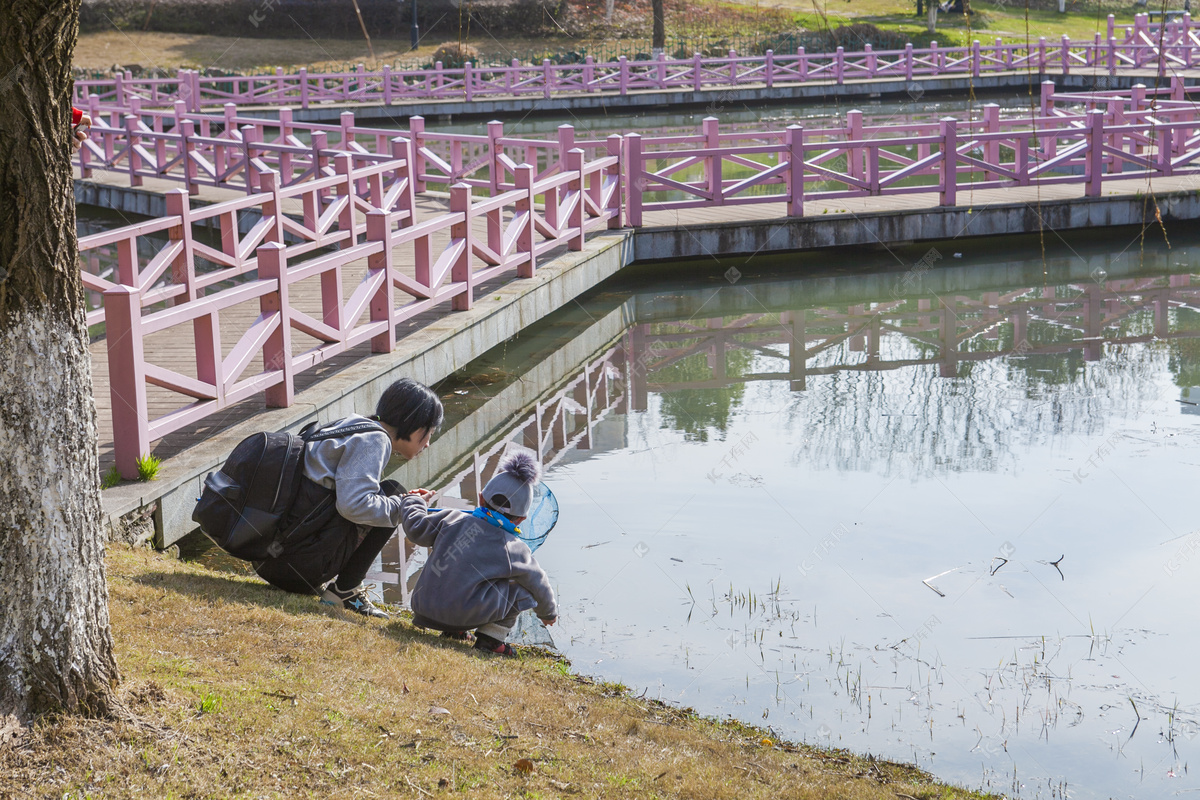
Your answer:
<point x="476" y="573"/>
<point x="352" y="466"/>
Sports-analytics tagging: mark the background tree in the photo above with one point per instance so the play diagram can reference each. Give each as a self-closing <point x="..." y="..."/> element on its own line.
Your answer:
<point x="55" y="643"/>
<point x="660" y="30"/>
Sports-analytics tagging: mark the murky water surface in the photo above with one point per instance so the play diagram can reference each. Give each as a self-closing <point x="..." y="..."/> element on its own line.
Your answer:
<point x="940" y="509"/>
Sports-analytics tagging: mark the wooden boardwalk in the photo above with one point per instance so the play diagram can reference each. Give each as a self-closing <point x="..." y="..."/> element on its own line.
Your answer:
<point x="175" y="348"/>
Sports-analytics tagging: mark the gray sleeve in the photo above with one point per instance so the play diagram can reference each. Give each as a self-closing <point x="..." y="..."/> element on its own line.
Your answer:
<point x="357" y="482"/>
<point x="530" y="575"/>
<point x="420" y="526"/>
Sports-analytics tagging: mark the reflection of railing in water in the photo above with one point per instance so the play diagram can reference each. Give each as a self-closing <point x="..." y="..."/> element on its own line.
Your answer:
<point x="943" y="323"/>
<point x="562" y="422"/>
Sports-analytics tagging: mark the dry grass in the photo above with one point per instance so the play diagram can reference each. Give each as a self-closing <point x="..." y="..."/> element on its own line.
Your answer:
<point x="240" y="690"/>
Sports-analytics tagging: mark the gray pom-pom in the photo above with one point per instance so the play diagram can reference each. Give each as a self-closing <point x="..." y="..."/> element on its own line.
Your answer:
<point x="523" y="465"/>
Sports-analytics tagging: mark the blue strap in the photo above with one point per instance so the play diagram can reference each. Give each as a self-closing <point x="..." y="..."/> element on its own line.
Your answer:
<point x="499" y="520"/>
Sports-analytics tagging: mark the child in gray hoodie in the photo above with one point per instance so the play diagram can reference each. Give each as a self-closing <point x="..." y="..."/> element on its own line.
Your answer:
<point x="479" y="574"/>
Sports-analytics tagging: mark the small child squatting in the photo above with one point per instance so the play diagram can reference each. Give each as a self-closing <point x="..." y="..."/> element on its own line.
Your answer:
<point x="479" y="574"/>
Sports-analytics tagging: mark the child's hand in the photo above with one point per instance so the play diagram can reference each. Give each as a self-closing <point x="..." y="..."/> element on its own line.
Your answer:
<point x="549" y="623"/>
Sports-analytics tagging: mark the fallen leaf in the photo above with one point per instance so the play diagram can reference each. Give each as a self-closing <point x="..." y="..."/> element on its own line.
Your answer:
<point x="405" y="689"/>
<point x="443" y="783"/>
<point x="767" y="743"/>
<point x="524" y="766"/>
<point x="438" y="711"/>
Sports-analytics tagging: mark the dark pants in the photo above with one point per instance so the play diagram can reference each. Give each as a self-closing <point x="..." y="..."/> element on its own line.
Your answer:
<point x="322" y="544"/>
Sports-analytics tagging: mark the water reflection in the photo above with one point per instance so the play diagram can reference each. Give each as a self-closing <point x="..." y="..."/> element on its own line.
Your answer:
<point x="943" y="520"/>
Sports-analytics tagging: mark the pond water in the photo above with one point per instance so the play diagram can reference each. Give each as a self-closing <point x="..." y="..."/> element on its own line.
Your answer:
<point x="933" y="504"/>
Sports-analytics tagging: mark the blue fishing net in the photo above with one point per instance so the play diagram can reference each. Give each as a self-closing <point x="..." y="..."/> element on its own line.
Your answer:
<point x="543" y="516"/>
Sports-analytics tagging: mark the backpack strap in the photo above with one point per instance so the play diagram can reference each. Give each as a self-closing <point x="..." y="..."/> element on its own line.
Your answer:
<point x="349" y="430"/>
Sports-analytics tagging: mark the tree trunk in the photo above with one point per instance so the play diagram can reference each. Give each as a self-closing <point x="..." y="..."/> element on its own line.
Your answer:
<point x="920" y="8"/>
<point x="55" y="642"/>
<point x="660" y="30"/>
<point x="932" y="21"/>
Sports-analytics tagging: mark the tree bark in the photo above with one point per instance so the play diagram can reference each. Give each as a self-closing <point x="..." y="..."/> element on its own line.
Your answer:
<point x="55" y="642"/>
<point x="660" y="31"/>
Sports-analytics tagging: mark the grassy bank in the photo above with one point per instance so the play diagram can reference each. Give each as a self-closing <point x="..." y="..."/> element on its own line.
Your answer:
<point x="697" y="21"/>
<point x="241" y="690"/>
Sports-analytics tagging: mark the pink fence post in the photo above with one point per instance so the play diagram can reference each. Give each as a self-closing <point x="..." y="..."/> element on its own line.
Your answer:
<point x="1041" y="54"/>
<point x="183" y="267"/>
<point x="623" y="65"/>
<point x="566" y="142"/>
<point x="770" y="68"/>
<point x="908" y="61"/>
<point x="302" y="79"/>
<point x="1186" y="40"/>
<point x="589" y="74"/>
<point x="991" y="150"/>
<point x="468" y="81"/>
<point x="406" y="204"/>
<point x="1094" y="171"/>
<point x="277" y="349"/>
<point x="854" y="132"/>
<point x="416" y="132"/>
<point x="495" y="130"/>
<point x="524" y="211"/>
<point x="133" y="140"/>
<point x="1048" y="90"/>
<point x="249" y="137"/>
<point x="733" y="70"/>
<point x="387" y="84"/>
<point x="613" y="179"/>
<point x="197" y="100"/>
<point x="187" y="146"/>
<point x="577" y="188"/>
<point x="126" y="377"/>
<point x="710" y="128"/>
<point x="1165" y="150"/>
<point x="460" y="237"/>
<point x="949" y="187"/>
<point x="976" y="58"/>
<point x="513" y="74"/>
<point x="795" y="173"/>
<point x="660" y="70"/>
<point x="870" y="59"/>
<point x="347" y="220"/>
<point x="1112" y="26"/>
<point x="802" y="63"/>
<point x="383" y="302"/>
<point x="839" y="65"/>
<point x="635" y="180"/>
<point x="935" y="58"/>
<point x="346" y="122"/>
<point x="272" y="207"/>
<point x="547" y="78"/>
<point x="1112" y="56"/>
<point x="1066" y="55"/>
<point x="119" y="87"/>
<point x="697" y="72"/>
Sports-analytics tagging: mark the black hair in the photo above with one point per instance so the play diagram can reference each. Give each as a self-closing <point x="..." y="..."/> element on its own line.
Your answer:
<point x="500" y="499"/>
<point x="409" y="407"/>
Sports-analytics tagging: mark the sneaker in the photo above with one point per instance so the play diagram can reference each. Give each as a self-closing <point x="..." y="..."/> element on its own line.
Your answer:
<point x="489" y="644"/>
<point x="355" y="600"/>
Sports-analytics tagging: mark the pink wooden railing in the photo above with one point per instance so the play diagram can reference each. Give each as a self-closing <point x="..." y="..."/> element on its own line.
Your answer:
<point x="230" y="151"/>
<point x="796" y="165"/>
<point x="1164" y="47"/>
<point x="576" y="200"/>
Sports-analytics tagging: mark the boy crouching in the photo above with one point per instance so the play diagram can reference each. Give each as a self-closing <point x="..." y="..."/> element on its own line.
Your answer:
<point x="479" y="574"/>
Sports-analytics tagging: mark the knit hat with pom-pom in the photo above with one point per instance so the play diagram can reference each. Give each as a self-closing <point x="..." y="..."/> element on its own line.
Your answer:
<point x="510" y="491"/>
